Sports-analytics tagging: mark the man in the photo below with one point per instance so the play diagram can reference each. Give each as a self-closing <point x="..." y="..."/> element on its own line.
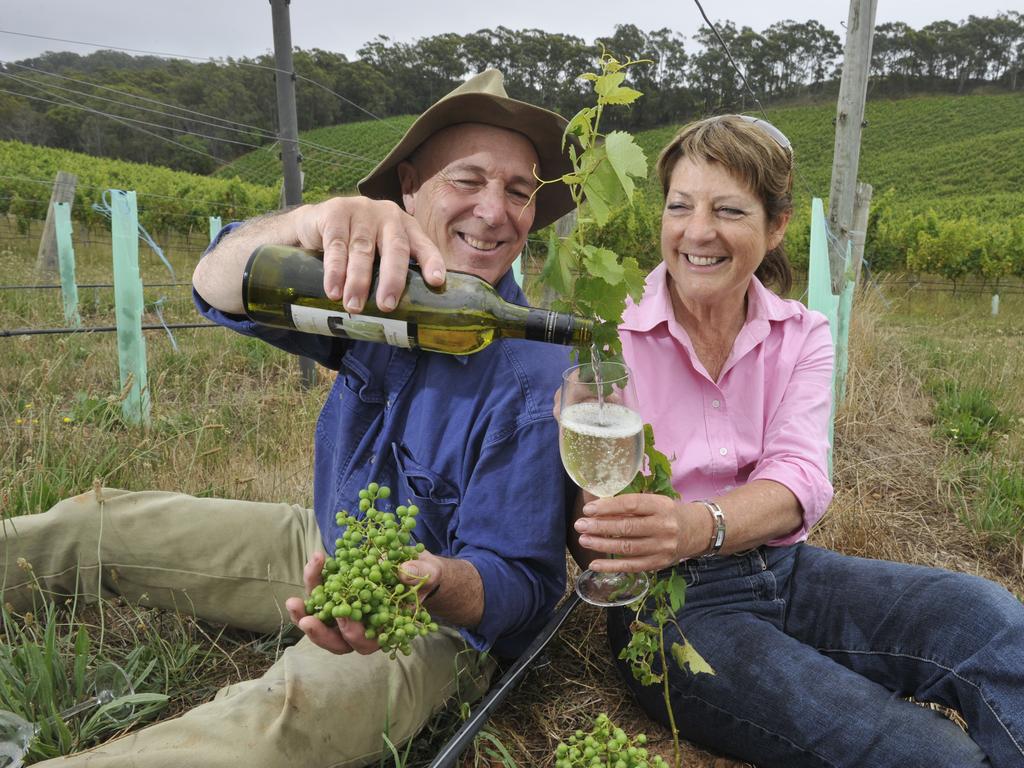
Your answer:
<point x="470" y="440"/>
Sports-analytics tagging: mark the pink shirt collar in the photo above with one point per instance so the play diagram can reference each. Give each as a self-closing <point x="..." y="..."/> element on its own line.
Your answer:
<point x="763" y="307"/>
<point x="656" y="306"/>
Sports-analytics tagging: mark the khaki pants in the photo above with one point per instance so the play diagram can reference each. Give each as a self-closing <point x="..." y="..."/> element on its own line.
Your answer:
<point x="232" y="562"/>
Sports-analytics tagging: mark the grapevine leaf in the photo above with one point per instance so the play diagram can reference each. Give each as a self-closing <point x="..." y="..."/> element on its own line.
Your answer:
<point x="588" y="76"/>
<point x="602" y="263"/>
<point x="661" y="468"/>
<point x="676" y="591"/>
<point x="687" y="657"/>
<point x="603" y="189"/>
<point x="605" y="84"/>
<point x="602" y="298"/>
<point x="660" y="479"/>
<point x="581" y="126"/>
<point x="634" y="277"/>
<point x="626" y="158"/>
<point x="622" y="96"/>
<point x="557" y="271"/>
<point x="606" y="338"/>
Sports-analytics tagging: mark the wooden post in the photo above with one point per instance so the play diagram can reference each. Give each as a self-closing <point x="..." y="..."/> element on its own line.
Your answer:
<point x="288" y="130"/>
<point x="66" y="254"/>
<point x="861" y="209"/>
<point x="131" y="346"/>
<point x="849" y="122"/>
<point x="63" y="192"/>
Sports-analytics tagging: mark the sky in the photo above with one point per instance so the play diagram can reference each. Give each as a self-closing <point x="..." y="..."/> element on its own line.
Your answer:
<point x="234" y="28"/>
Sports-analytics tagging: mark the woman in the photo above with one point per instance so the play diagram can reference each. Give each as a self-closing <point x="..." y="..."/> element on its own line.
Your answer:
<point x="814" y="652"/>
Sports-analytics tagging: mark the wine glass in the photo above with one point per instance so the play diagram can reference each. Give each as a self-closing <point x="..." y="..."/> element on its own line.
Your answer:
<point x="601" y="440"/>
<point x="16" y="733"/>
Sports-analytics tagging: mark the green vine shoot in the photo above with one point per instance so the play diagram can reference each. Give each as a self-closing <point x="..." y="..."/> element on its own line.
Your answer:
<point x="595" y="282"/>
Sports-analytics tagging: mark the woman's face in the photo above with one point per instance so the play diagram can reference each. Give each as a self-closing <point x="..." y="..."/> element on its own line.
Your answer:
<point x="714" y="234"/>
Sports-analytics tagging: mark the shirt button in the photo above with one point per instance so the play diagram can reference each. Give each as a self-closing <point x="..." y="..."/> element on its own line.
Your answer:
<point x="728" y="487"/>
<point x="715" y="403"/>
<point x="723" y="451"/>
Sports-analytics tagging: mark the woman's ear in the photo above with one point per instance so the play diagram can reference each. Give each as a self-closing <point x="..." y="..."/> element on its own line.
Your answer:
<point x="777" y="230"/>
<point x="409" y="180"/>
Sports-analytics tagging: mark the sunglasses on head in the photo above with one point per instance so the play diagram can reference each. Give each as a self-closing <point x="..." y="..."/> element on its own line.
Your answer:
<point x="771" y="130"/>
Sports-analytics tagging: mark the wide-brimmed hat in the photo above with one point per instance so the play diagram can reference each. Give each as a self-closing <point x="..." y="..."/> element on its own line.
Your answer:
<point x="482" y="99"/>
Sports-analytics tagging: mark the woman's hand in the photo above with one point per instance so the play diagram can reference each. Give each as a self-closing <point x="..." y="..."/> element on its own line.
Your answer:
<point x="645" y="531"/>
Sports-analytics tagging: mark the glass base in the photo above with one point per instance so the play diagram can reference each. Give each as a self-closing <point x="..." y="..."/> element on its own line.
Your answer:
<point x="608" y="590"/>
<point x="15" y="737"/>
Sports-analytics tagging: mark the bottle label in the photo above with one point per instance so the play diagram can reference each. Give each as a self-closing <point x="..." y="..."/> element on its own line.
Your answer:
<point x="357" y="327"/>
<point x="553" y="327"/>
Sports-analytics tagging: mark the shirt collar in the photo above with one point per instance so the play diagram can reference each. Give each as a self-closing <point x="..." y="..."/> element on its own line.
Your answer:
<point x="509" y="289"/>
<point x="656" y="306"/>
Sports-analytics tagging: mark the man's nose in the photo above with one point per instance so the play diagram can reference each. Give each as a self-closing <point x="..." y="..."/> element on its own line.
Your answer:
<point x="491" y="205"/>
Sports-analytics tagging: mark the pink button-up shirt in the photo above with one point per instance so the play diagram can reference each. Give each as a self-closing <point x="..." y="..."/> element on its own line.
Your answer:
<point x="767" y="416"/>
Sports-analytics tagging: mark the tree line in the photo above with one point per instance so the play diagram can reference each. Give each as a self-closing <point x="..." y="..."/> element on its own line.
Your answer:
<point x="195" y="116"/>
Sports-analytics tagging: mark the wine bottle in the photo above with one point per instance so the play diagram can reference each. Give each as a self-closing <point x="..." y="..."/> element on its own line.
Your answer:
<point x="283" y="286"/>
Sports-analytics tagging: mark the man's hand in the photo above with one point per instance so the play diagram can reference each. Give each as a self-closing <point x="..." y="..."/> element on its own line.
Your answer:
<point x="350" y="231"/>
<point x="344" y="636"/>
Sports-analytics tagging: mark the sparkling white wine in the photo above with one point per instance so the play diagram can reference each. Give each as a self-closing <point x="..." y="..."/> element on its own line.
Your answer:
<point x="283" y="287"/>
<point x="601" y="446"/>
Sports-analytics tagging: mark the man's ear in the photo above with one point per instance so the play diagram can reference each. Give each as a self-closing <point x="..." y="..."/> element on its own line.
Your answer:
<point x="409" y="180"/>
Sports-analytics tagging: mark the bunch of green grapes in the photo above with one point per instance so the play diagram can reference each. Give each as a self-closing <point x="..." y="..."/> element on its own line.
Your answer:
<point x="361" y="581"/>
<point x="606" y="746"/>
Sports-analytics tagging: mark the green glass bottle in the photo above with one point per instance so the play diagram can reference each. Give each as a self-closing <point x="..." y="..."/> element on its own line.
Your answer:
<point x="283" y="286"/>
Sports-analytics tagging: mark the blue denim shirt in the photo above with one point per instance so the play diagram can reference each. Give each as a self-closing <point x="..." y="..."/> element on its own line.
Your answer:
<point x="470" y="440"/>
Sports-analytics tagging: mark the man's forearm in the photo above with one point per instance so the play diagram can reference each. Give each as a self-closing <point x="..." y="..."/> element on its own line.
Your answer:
<point x="218" y="275"/>
<point x="459" y="598"/>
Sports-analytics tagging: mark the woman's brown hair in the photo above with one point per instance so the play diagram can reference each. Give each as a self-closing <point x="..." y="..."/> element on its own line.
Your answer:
<point x="751" y="152"/>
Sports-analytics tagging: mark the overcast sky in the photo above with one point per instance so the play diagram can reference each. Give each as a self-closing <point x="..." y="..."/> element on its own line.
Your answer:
<point x="222" y="28"/>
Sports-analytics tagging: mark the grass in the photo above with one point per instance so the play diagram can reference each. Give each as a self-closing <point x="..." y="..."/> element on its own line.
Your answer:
<point x="970" y="363"/>
<point x="230" y="418"/>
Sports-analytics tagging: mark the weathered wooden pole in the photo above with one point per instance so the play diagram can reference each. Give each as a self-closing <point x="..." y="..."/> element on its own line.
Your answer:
<point x="849" y="122"/>
<point x="63" y="192"/>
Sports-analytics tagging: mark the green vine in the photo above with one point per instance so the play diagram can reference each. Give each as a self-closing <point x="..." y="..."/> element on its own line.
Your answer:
<point x="589" y="280"/>
<point x="595" y="282"/>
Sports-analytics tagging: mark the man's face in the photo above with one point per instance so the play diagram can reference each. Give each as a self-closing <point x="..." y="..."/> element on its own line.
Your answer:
<point x="469" y="186"/>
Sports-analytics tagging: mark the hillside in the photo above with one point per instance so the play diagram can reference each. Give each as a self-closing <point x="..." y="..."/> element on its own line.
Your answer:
<point x="333" y="159"/>
<point x="954" y="155"/>
<point x="936" y="151"/>
<point x="167" y="200"/>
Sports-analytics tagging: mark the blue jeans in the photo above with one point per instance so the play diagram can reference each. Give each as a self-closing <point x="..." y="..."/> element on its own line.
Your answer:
<point x="815" y="651"/>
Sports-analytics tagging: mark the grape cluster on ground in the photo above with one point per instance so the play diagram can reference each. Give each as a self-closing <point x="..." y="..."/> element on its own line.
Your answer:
<point x="605" y="746"/>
